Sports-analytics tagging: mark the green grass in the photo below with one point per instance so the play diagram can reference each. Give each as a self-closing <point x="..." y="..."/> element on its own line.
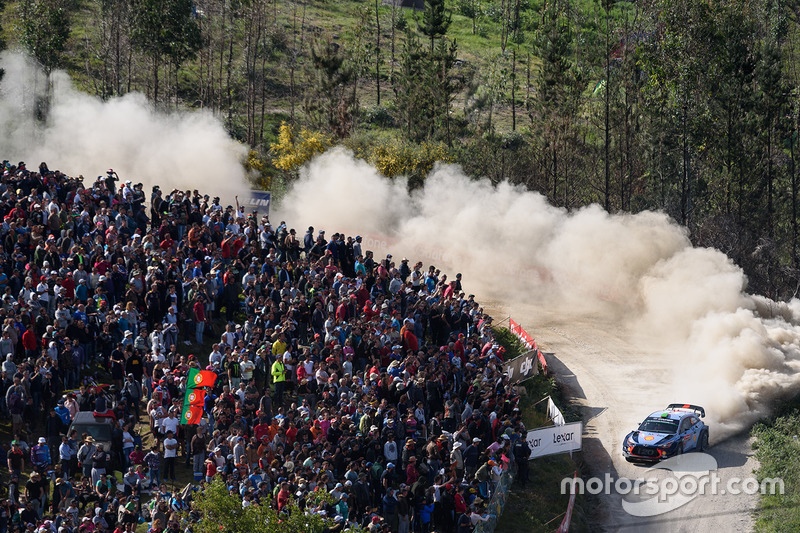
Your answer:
<point x="777" y="448"/>
<point x="539" y="506"/>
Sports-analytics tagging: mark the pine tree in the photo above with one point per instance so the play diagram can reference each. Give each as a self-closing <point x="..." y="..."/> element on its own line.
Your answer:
<point x="329" y="102"/>
<point x="436" y="20"/>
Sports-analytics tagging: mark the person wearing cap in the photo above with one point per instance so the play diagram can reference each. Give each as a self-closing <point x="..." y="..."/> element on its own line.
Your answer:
<point x="67" y="452"/>
<point x="16" y="399"/>
<point x="404" y="509"/>
<point x="470" y="457"/>
<point x="170" y="450"/>
<point x="40" y="456"/>
<point x="100" y="462"/>
<point x="457" y="460"/>
<point x="85" y="454"/>
<point x="15" y="459"/>
<point x="63" y="494"/>
<point x="522" y="454"/>
<point x="37" y="490"/>
<point x="389" y="508"/>
<point x="342" y="506"/>
<point x="132" y="392"/>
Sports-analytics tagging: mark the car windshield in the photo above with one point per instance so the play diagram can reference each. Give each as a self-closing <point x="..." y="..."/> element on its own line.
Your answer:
<point x="99" y="432"/>
<point x="659" y="425"/>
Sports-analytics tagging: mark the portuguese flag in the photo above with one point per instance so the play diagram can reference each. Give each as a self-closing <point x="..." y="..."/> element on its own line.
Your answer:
<point x="195" y="397"/>
<point x="191" y="414"/>
<point x="193" y="406"/>
<point x="200" y="378"/>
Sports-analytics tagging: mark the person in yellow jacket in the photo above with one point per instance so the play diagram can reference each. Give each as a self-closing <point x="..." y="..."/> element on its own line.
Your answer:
<point x="279" y="379"/>
<point x="279" y="346"/>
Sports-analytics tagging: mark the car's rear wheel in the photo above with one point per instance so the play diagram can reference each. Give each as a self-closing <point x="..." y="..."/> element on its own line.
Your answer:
<point x="703" y="444"/>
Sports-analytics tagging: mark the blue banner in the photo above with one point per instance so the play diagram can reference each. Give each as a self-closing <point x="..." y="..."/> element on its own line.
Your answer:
<point x="258" y="201"/>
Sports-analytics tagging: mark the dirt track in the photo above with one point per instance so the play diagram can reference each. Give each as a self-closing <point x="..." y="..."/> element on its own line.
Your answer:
<point x="618" y="383"/>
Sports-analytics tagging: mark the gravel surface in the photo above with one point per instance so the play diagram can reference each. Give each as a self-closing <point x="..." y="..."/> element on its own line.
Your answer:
<point x="619" y="381"/>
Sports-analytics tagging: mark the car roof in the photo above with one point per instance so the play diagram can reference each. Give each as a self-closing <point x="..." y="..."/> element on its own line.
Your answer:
<point x="87" y="417"/>
<point x="671" y="414"/>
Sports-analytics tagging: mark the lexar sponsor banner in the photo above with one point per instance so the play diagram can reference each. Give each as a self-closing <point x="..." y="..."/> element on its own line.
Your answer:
<point x="555" y="439"/>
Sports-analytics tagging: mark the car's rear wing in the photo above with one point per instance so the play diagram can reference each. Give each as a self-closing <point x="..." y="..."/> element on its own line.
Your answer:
<point x="696" y="408"/>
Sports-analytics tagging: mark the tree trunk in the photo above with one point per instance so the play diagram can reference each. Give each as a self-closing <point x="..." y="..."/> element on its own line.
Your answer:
<point x="394" y="23"/>
<point x="770" y="179"/>
<point x="685" y="186"/>
<point x="513" y="90"/>
<point x="117" y="53"/>
<point x="155" y="80"/>
<point x="793" y="137"/>
<point x="229" y="71"/>
<point x="223" y="34"/>
<point x="378" y="51"/>
<point x="607" y="120"/>
<point x="474" y="15"/>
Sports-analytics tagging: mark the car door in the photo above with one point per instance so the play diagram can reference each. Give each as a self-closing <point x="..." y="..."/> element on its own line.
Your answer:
<point x="695" y="428"/>
<point x="685" y="433"/>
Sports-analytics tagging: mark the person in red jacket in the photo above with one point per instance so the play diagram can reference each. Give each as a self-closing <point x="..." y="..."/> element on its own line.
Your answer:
<point x="412" y="474"/>
<point x="69" y="286"/>
<point x="410" y="341"/>
<point x="261" y="430"/>
<point x="199" y="319"/>
<point x="283" y="496"/>
<point x="29" y="343"/>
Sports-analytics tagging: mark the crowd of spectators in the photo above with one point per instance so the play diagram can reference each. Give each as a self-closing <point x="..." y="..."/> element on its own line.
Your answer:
<point x="373" y="379"/>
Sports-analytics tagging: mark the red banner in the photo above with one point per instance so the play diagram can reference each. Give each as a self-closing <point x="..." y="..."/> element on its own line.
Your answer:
<point x="542" y="362"/>
<point x="521" y="334"/>
<point x="564" y="527"/>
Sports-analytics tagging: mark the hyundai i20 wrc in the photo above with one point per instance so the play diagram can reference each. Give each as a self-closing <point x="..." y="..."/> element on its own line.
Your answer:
<point x="675" y="430"/>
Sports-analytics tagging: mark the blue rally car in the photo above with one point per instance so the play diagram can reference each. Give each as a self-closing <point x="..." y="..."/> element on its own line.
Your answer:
<point x="674" y="430"/>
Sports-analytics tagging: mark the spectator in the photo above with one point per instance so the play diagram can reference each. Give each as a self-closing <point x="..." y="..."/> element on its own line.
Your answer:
<point x="343" y="364"/>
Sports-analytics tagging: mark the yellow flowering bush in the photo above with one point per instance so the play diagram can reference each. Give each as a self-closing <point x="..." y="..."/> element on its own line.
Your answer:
<point x="292" y="151"/>
<point x="405" y="159"/>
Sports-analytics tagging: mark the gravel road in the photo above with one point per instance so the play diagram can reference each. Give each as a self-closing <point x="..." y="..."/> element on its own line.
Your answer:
<point x="619" y="381"/>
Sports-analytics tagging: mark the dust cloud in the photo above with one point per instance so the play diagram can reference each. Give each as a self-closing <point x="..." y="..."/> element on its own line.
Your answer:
<point x="86" y="135"/>
<point x="734" y="353"/>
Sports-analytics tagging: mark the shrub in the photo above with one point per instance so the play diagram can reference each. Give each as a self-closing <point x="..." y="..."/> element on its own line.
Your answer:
<point x="378" y="116"/>
<point x="292" y="151"/>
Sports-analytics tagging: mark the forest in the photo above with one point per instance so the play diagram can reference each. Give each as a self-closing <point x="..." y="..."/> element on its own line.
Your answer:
<point x="684" y="106"/>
